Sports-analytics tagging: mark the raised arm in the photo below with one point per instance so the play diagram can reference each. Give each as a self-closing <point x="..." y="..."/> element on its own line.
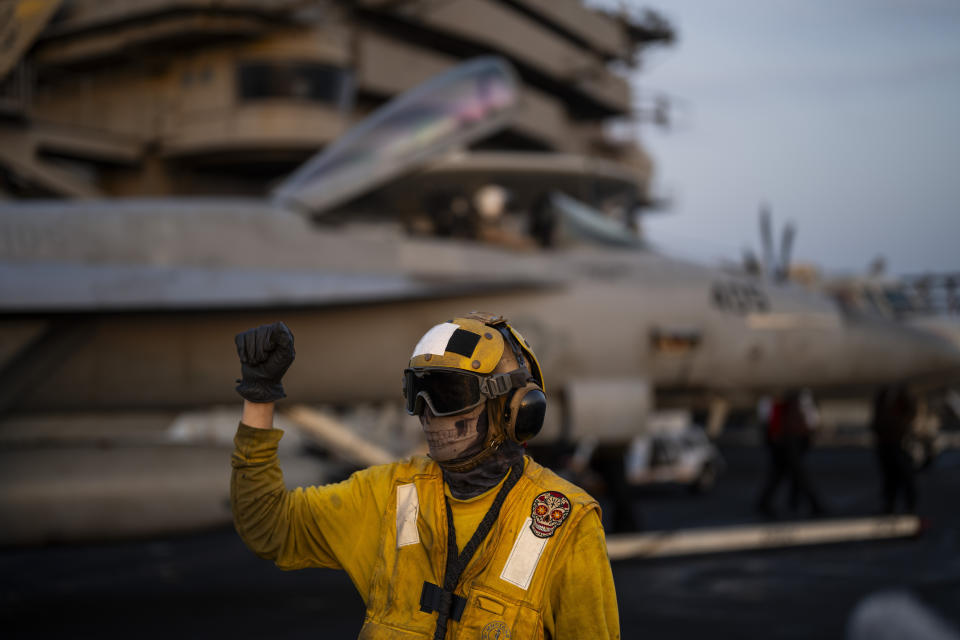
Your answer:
<point x="265" y="514"/>
<point x="306" y="527"/>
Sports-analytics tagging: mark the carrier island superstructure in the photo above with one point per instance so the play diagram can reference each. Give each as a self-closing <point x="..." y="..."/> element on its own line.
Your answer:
<point x="106" y="98"/>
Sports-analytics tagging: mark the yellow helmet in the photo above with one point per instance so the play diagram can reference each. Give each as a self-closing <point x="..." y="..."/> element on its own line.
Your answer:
<point x="462" y="343"/>
<point x="452" y="370"/>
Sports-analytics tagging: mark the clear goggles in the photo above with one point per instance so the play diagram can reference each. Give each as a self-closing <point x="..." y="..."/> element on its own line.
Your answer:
<point x="451" y="391"/>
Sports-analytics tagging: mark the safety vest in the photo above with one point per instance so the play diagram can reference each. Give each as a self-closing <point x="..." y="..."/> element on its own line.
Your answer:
<point x="502" y="589"/>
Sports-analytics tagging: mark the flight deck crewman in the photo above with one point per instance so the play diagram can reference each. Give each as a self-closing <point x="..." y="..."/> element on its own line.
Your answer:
<point x="475" y="541"/>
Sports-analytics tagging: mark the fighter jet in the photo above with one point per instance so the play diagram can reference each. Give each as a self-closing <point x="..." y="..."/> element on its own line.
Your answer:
<point x="923" y="303"/>
<point x="131" y="305"/>
<point x="920" y="302"/>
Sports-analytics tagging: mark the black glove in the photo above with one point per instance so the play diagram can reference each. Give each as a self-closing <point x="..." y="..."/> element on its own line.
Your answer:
<point x="265" y="355"/>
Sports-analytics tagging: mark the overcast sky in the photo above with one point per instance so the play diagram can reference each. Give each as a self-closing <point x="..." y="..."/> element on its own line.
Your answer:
<point x="844" y="116"/>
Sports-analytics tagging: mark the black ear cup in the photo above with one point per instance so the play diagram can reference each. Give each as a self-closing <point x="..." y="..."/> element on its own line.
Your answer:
<point x="523" y="413"/>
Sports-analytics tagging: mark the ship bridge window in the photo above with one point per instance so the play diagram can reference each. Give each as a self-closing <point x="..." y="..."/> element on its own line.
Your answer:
<point x="311" y="81"/>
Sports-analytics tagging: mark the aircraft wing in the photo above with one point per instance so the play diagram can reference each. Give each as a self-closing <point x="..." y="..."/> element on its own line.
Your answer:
<point x="71" y="288"/>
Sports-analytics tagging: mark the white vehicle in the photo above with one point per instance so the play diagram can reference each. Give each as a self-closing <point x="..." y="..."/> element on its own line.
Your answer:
<point x="674" y="450"/>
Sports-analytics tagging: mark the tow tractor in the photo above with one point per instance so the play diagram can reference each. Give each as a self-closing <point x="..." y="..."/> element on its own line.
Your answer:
<point x="674" y="449"/>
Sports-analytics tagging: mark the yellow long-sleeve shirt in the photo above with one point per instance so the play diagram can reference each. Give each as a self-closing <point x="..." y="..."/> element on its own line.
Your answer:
<point x="538" y="574"/>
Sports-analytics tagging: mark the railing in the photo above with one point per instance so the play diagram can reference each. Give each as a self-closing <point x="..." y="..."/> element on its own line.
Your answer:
<point x="939" y="291"/>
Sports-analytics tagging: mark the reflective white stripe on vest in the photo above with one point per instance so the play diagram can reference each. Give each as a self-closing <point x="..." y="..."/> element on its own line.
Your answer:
<point x="408" y="506"/>
<point x="524" y="557"/>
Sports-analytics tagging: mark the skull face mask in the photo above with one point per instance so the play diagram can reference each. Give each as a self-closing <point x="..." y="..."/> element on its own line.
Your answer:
<point x="456" y="436"/>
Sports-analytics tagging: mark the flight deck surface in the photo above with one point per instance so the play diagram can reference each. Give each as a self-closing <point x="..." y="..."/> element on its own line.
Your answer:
<point x="208" y="585"/>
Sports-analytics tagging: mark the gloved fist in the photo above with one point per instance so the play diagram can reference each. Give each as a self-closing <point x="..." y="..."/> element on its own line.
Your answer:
<point x="265" y="355"/>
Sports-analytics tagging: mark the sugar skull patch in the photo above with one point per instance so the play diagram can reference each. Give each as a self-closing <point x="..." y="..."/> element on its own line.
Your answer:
<point x="549" y="510"/>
